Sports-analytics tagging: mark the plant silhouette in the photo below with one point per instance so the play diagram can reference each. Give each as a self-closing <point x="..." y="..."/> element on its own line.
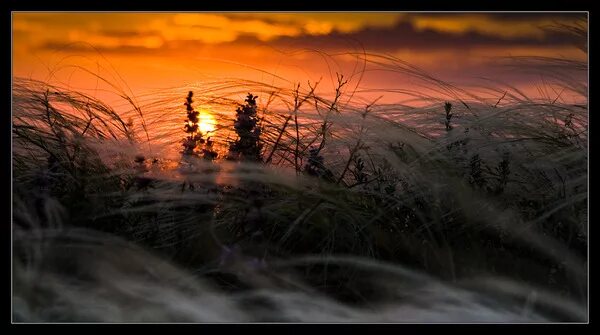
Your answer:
<point x="247" y="146"/>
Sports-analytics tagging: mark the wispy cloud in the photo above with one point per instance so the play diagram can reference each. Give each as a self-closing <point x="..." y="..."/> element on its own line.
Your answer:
<point x="504" y="25"/>
<point x="123" y="31"/>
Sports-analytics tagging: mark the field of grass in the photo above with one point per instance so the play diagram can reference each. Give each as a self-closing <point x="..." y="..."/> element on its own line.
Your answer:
<point x="304" y="207"/>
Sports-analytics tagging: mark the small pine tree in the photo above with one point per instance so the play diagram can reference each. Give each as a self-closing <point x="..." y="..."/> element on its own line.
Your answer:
<point x="476" y="174"/>
<point x="247" y="146"/>
<point x="503" y="171"/>
<point x="448" y="109"/>
<point x="191" y="127"/>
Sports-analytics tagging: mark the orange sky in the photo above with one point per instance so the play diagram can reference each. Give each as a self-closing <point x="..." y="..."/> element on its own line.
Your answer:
<point x="150" y="51"/>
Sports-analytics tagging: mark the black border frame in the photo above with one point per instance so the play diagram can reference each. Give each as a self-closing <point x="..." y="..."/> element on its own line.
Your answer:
<point x="303" y="6"/>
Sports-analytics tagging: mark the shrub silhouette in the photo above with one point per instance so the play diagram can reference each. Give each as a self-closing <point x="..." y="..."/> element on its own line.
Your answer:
<point x="503" y="171"/>
<point x="195" y="139"/>
<point x="247" y="146"/>
<point x="208" y="152"/>
<point x="190" y="143"/>
<point x="448" y="109"/>
<point x="476" y="173"/>
<point x="316" y="167"/>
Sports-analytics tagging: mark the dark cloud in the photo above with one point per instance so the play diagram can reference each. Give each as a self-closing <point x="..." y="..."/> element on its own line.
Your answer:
<point x="509" y="16"/>
<point x="128" y="33"/>
<point x="82" y="47"/>
<point x="167" y="46"/>
<point x="403" y="35"/>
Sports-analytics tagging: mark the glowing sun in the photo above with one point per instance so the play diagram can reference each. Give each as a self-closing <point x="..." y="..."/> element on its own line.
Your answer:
<point x="207" y="122"/>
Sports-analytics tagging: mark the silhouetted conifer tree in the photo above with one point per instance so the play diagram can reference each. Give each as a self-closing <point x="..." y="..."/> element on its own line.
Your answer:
<point x="247" y="146"/>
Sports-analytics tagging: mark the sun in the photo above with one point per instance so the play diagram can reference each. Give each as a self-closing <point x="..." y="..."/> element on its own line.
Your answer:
<point x="207" y="123"/>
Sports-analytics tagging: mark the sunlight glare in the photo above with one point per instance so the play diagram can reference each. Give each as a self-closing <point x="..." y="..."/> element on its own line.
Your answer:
<point x="207" y="122"/>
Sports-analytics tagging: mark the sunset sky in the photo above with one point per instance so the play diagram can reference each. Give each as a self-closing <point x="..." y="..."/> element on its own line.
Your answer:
<point x="160" y="50"/>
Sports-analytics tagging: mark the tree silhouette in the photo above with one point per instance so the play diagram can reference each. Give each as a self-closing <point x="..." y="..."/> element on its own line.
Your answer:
<point x="448" y="110"/>
<point x="247" y="146"/>
<point x="191" y="127"/>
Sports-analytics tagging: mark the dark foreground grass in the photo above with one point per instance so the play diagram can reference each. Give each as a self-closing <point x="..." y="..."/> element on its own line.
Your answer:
<point x="461" y="210"/>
